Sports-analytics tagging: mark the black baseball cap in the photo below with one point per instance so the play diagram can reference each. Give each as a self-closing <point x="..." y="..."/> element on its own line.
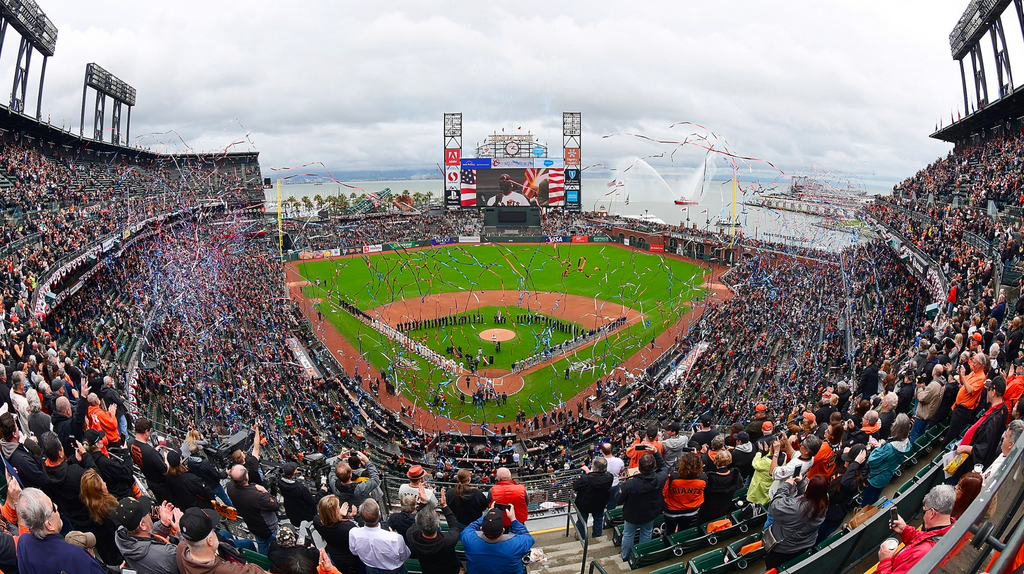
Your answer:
<point x="851" y="455"/>
<point x="675" y="427"/>
<point x="196" y="524"/>
<point x="705" y="420"/>
<point x="494" y="523"/>
<point x="998" y="383"/>
<point x="289" y="468"/>
<point x="92" y="436"/>
<point x="131" y="511"/>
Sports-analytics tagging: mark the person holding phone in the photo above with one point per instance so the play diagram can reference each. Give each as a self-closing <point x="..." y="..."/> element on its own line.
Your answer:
<point x="509" y="493"/>
<point x="796" y="518"/>
<point x="938" y="508"/>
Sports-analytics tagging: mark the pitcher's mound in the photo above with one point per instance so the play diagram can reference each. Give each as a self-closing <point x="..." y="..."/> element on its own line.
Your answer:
<point x="497" y="335"/>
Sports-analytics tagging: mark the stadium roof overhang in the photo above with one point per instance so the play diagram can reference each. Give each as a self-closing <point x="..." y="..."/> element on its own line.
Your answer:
<point x="1010" y="107"/>
<point x="29" y="127"/>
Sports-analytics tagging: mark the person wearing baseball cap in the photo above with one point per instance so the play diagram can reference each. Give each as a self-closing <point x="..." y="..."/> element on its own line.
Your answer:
<point x="299" y="503"/>
<point x="187" y="490"/>
<point x="142" y="541"/>
<point x="416" y="476"/>
<point x="674" y="444"/>
<point x="981" y="442"/>
<point x="116" y="472"/>
<point x="197" y="553"/>
<point x="754" y="427"/>
<point x="706" y="433"/>
<point x="490" y="549"/>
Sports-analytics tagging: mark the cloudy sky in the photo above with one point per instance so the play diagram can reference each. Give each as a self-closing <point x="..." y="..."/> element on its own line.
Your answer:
<point x="852" y="86"/>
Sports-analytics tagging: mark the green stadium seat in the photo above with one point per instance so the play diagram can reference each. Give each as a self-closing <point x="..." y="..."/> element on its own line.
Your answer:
<point x="257" y="559"/>
<point x="613" y="516"/>
<point x="656" y="550"/>
<point x="679" y="568"/>
<point x="740" y="494"/>
<point x="743" y="560"/>
<point x="714" y="562"/>
<point x="906" y="485"/>
<point x="412" y="565"/>
<point x="796" y="560"/>
<point x="656" y="533"/>
<point x="831" y="538"/>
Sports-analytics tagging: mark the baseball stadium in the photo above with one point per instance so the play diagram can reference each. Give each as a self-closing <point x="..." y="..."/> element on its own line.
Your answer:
<point x="372" y="335"/>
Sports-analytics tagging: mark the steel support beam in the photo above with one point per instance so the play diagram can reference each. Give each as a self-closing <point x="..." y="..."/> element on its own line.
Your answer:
<point x="128" y="128"/>
<point x="1019" y="4"/>
<point x="42" y="79"/>
<point x="97" y="121"/>
<point x="963" y="80"/>
<point x="115" y="123"/>
<point x="978" y="67"/>
<point x="21" y="76"/>
<point x="85" y="90"/>
<point x="3" y="31"/>
<point x="1003" y="72"/>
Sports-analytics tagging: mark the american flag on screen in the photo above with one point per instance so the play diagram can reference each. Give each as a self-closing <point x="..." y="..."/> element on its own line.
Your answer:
<point x="468" y="187"/>
<point x="556" y="187"/>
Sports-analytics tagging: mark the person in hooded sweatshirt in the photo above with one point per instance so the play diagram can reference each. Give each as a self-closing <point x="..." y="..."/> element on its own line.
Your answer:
<point x="641" y="499"/>
<point x="143" y="542"/>
<point x="435" y="549"/>
<point x="743" y="456"/>
<point x="299" y="503"/>
<point x="65" y="481"/>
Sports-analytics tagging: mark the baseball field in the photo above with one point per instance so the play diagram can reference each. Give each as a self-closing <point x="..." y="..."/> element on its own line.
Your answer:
<point x="546" y="294"/>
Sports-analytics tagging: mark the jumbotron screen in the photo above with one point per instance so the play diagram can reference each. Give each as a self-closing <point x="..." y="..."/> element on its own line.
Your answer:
<point x="523" y="186"/>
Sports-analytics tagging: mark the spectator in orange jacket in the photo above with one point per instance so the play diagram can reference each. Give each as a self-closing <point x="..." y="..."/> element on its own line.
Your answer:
<point x="104" y="421"/>
<point x="650" y="442"/>
<point x="1014" y="387"/>
<point x="508" y="491"/>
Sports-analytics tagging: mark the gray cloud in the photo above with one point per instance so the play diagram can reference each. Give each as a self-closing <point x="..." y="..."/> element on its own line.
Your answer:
<point x="853" y="86"/>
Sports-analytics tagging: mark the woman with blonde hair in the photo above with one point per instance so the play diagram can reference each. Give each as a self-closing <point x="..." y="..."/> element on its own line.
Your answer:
<point x="333" y="522"/>
<point x="466" y="501"/>
<point x="101" y="506"/>
<point x="191" y="439"/>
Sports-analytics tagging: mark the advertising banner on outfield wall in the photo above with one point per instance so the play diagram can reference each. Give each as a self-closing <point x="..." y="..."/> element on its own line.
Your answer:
<point x="579" y="238"/>
<point x="373" y="248"/>
<point x="600" y="239"/>
<point x="658" y="248"/>
<point x="404" y="245"/>
<point x="625" y="241"/>
<point x="469" y="239"/>
<point x="443" y="241"/>
<point x="555" y="239"/>
<point x="335" y="252"/>
<point x="305" y="255"/>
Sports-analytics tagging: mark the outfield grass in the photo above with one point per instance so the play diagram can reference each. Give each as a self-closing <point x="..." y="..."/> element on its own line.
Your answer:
<point x="660" y="287"/>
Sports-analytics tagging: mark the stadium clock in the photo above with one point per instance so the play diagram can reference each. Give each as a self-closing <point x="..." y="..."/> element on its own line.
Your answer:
<point x="512" y="148"/>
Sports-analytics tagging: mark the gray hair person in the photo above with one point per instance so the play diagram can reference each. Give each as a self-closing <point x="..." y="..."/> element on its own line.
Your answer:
<point x="938" y="507"/>
<point x="45" y="549"/>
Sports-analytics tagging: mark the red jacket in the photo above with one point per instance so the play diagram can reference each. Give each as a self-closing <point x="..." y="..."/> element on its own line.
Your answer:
<point x="509" y="492"/>
<point x="916" y="543"/>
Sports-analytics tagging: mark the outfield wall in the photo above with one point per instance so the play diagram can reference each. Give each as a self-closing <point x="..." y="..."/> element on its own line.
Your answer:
<point x="702" y="254"/>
